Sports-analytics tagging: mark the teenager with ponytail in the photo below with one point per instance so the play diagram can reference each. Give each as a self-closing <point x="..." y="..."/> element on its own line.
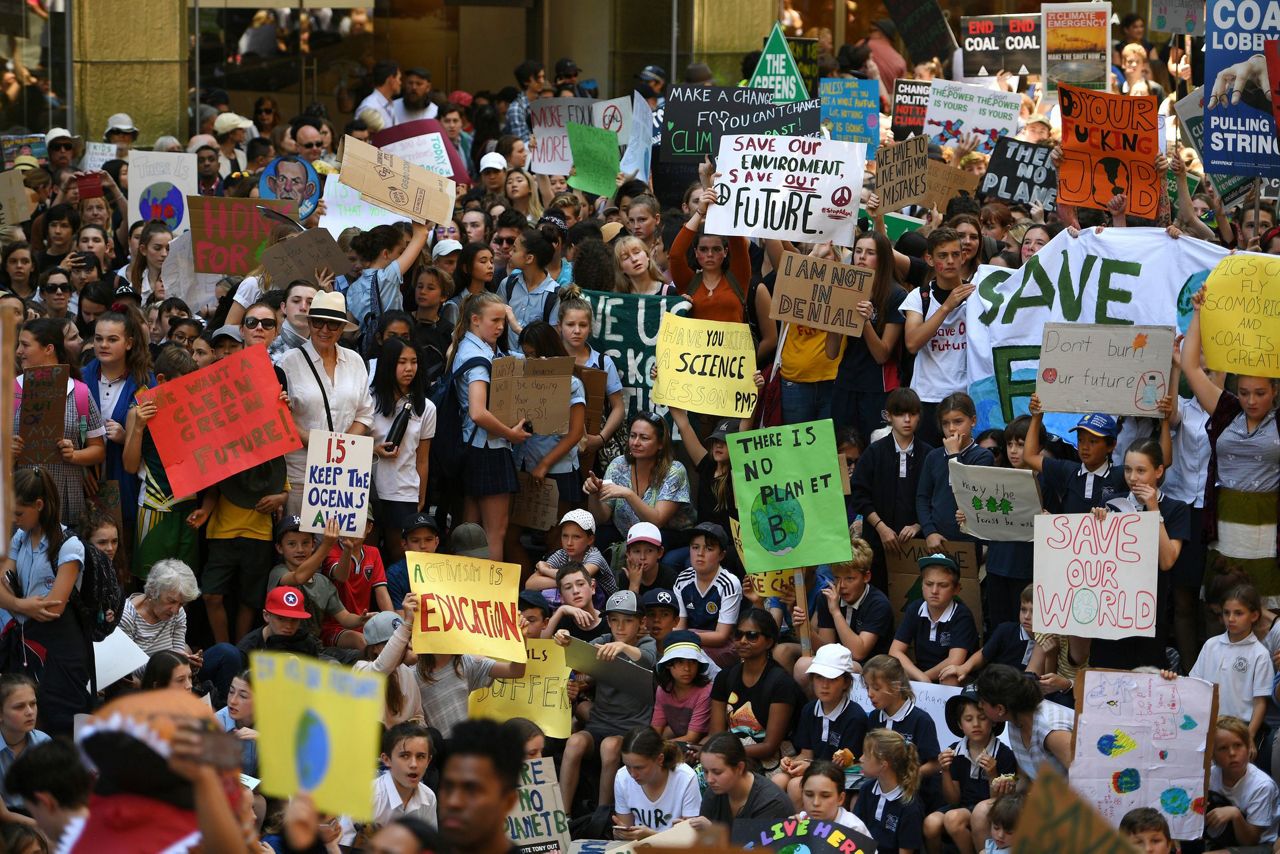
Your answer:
<point x="655" y="790"/>
<point x="887" y="802"/>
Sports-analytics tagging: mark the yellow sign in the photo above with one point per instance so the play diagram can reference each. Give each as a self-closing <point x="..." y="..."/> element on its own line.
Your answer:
<point x="539" y="695"/>
<point x="780" y="583"/>
<point x="706" y="366"/>
<point x="468" y="606"/>
<point x="319" y="730"/>
<point x="1240" y="321"/>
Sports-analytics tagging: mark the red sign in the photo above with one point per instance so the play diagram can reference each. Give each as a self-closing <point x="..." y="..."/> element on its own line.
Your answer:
<point x="1271" y="48"/>
<point x="220" y="421"/>
<point x="229" y="235"/>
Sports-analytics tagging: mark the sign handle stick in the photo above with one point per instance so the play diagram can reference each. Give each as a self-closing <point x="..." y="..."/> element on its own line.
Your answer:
<point x="802" y="601"/>
<point x="1257" y="203"/>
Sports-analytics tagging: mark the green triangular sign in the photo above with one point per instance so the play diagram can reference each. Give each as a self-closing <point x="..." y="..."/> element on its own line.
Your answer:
<point x="777" y="71"/>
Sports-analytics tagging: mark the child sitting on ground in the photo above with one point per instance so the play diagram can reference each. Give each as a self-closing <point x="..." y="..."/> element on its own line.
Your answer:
<point x="577" y="545"/>
<point x="1147" y="831"/>
<point x="938" y="629"/>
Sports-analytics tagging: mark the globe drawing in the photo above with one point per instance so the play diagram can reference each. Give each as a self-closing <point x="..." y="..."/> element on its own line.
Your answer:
<point x="778" y="525"/>
<point x="312" y="748"/>
<point x="162" y="201"/>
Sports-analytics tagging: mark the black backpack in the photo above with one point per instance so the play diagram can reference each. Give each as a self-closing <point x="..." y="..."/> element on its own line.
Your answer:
<point x="100" y="600"/>
<point x="449" y="445"/>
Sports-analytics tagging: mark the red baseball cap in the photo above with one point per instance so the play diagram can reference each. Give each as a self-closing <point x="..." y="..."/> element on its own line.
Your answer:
<point x="286" y="602"/>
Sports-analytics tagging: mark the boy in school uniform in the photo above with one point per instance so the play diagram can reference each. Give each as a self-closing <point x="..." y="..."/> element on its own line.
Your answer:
<point x="938" y="629"/>
<point x="661" y="614"/>
<point x="1010" y="643"/>
<point x="1093" y="481"/>
<point x="399" y="791"/>
<point x="708" y="595"/>
<point x="420" y="534"/>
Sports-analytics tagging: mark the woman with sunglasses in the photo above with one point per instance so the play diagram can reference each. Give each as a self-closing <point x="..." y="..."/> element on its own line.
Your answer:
<point x="265" y="116"/>
<point x="55" y="293"/>
<point x="757" y="695"/>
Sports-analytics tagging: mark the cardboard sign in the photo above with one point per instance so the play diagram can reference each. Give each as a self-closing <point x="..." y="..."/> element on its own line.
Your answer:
<point x="468" y="606"/>
<point x="1240" y="320"/>
<point x="320" y="728"/>
<point x="929" y="698"/>
<point x="1109" y="146"/>
<point x="595" y="385"/>
<point x="621" y="673"/>
<point x="999" y="504"/>
<point x="42" y="414"/>
<point x="706" y="366"/>
<point x="537" y="504"/>
<point x="851" y="110"/>
<point x="220" y="420"/>
<point x="696" y="118"/>
<point x="89" y="185"/>
<point x="18" y="145"/>
<point x="595" y="158"/>
<point x="549" y="120"/>
<point x="1185" y="17"/>
<point x="9" y="325"/>
<point x="293" y="179"/>
<point x="1056" y="818"/>
<point x="161" y="185"/>
<point x="910" y="103"/>
<point x="1088" y="367"/>
<point x="625" y="328"/>
<point x="821" y="294"/>
<point x="777" y="71"/>
<point x="614" y="116"/>
<point x="902" y="172"/>
<point x="924" y="29"/>
<point x="1240" y="127"/>
<point x="15" y="206"/>
<point x="394" y="183"/>
<point x="338" y="470"/>
<point x="302" y="255"/>
<point x="788" y="188"/>
<point x="344" y="208"/>
<point x="995" y="43"/>
<point x="956" y="109"/>
<point x="1021" y="172"/>
<point x="946" y="182"/>
<point x="539" y="822"/>
<point x="1150" y="734"/>
<point x="780" y="583"/>
<point x="806" y="53"/>
<point x="423" y="142"/>
<point x="197" y="290"/>
<point x="1096" y="579"/>
<point x="1232" y="189"/>
<point x="539" y="695"/>
<point x="96" y="155"/>
<point x="904" y="575"/>
<point x="536" y="389"/>
<point x="810" y="834"/>
<point x="1075" y="45"/>
<point x="786" y="486"/>
<point x="229" y="235"/>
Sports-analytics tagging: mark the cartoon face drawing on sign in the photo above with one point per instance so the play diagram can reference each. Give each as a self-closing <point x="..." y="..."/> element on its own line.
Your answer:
<point x="293" y="179"/>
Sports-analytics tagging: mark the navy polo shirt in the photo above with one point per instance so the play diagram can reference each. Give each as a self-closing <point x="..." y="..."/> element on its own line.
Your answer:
<point x="1078" y="489"/>
<point x="975" y="786"/>
<point x="895" y="823"/>
<point x="871" y="613"/>
<point x="932" y="641"/>
<point x="846" y="731"/>
<point x="913" y="724"/>
<point x="1009" y="644"/>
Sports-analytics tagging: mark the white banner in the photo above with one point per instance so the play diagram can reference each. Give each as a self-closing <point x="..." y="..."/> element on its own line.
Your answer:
<point x="159" y="183"/>
<point x="613" y="115"/>
<point x="343" y="209"/>
<point x="549" y="129"/>
<point x="957" y="109"/>
<point x="788" y="187"/>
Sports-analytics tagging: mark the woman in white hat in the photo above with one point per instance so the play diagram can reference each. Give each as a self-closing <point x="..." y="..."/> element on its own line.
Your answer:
<point x="328" y="386"/>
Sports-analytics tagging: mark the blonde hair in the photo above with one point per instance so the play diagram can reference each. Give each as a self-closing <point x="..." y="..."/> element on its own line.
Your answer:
<point x="535" y="195"/>
<point x="899" y="754"/>
<point x="1239" y="729"/>
<point x="473" y="306"/>
<point x="620" y="247"/>
<point x="887" y="671"/>
<point x="862" y="556"/>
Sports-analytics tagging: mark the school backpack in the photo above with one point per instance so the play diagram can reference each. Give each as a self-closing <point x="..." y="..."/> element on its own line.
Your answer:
<point x="99" y="600"/>
<point x="508" y="287"/>
<point x="448" y="447"/>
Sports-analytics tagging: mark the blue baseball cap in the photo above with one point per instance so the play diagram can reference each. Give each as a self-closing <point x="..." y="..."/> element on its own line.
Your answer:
<point x="1099" y="424"/>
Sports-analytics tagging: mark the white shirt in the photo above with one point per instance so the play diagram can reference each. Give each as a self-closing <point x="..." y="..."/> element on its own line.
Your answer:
<point x="375" y="100"/>
<point x="396" y="479"/>
<point x="1184" y="480"/>
<point x="402" y="114"/>
<point x="248" y="292"/>
<point x="387" y="806"/>
<point x="1242" y="671"/>
<point x="940" y="365"/>
<point x="1255" y="795"/>
<point x="1049" y="717"/>
<point x="680" y="799"/>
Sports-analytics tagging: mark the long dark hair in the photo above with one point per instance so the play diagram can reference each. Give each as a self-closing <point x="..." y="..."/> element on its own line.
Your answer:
<point x="886" y="275"/>
<point x="51" y="332"/>
<point x="160" y="667"/>
<point x="137" y="358"/>
<point x="384" y="387"/>
<point x="543" y="339"/>
<point x="35" y="484"/>
<point x="466" y="261"/>
<point x="485" y="122"/>
<point x="645" y="741"/>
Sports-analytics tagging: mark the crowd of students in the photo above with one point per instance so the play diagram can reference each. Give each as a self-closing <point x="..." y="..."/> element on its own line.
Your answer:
<point x="741" y="723"/>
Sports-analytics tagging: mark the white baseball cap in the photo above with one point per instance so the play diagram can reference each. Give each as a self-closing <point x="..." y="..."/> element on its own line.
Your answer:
<point x="645" y="532"/>
<point x="832" y="661"/>
<point x="227" y="122"/>
<point x="445" y="247"/>
<point x="493" y="160"/>
<point x="582" y="519"/>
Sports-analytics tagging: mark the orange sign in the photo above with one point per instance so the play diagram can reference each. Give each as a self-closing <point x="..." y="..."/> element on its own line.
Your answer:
<point x="1109" y="146"/>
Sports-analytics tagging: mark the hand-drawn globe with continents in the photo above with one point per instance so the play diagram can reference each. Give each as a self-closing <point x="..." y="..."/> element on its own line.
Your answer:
<point x="312" y="750"/>
<point x="777" y="524"/>
<point x="162" y="201"/>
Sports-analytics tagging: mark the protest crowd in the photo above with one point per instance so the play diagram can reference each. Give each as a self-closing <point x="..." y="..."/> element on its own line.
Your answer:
<point x="844" y="469"/>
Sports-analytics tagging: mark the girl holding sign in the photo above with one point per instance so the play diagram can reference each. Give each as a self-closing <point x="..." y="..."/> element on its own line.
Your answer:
<point x="144" y="270"/>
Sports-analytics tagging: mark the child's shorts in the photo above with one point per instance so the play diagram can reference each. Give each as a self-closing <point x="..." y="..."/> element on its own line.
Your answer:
<point x="329" y="633"/>
<point x="489" y="471"/>
<point x="239" y="565"/>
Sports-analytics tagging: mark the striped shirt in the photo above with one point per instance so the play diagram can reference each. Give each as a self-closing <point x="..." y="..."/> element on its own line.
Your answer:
<point x="168" y="634"/>
<point x="703" y="610"/>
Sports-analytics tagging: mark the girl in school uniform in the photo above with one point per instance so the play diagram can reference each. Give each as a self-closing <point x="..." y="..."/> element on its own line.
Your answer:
<point x="888" y="802"/>
<point x="554" y="456"/>
<point x="598" y="449"/>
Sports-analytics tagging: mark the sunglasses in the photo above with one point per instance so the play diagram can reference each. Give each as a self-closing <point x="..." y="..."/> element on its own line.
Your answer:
<point x="311" y="145"/>
<point x="264" y="111"/>
<point x="62" y="146"/>
<point x="331" y="325"/>
<point x="54" y="289"/>
<point x="255" y="322"/>
<point x="747" y="635"/>
<point x="504" y="241"/>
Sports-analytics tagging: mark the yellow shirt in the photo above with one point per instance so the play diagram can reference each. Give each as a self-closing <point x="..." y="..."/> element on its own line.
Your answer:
<point x="804" y="356"/>
<point x="228" y="521"/>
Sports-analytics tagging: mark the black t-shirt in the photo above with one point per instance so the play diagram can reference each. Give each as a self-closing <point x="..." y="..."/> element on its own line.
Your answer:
<point x="764" y="801"/>
<point x="705" y="500"/>
<point x="47" y="261"/>
<point x="750" y="706"/>
<point x="859" y="370"/>
<point x="664" y="580"/>
<point x="586" y="635"/>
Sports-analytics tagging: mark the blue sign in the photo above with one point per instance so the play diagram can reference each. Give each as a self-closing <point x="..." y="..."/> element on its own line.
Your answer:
<point x="851" y="110"/>
<point x="1239" y="128"/>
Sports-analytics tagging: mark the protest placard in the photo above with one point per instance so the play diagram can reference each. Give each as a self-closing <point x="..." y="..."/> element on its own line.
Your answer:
<point x="787" y="188"/>
<point x="924" y="29"/>
<point x="945" y="183"/>
<point x="904" y="573"/>
<point x="549" y="120"/>
<point x="539" y="823"/>
<point x="394" y="183"/>
<point x="343" y="209"/>
<point x="1021" y="172"/>
<point x="302" y="255"/>
<point x="42" y="413"/>
<point x="89" y="185"/>
<point x="1184" y="17"/>
<point x="1086" y="367"/>
<point x="929" y="698"/>
<point x="910" y="103"/>
<point x="1240" y="319"/>
<point x="820" y="293"/>
<point x="1096" y="578"/>
<point x="115" y="657"/>
<point x="595" y="386"/>
<point x="1240" y="128"/>
<point x="706" y="366"/>
<point x="220" y="420"/>
<point x="538" y="696"/>
<point x="1109" y="146"/>
<point x="625" y="327"/>
<point x="1075" y="45"/>
<point x="806" y="53"/>
<point x="337" y="487"/>
<point x="614" y="116"/>
<point x="536" y="389"/>
<point x="178" y="272"/>
<point x="595" y="159"/>
<point x="229" y="235"/>
<point x="1056" y="818"/>
<point x="160" y="186"/>
<point x="776" y="70"/>
<point x="958" y="109"/>
<point x="999" y="504"/>
<point x="640" y="139"/>
<point x="1232" y="189"/>
<point x="96" y="155"/>
<point x="799" y="834"/>
<point x="697" y="117"/>
<point x="1152" y="736"/>
<point x="786" y="485"/>
<point x="293" y="179"/>
<point x="536" y="505"/>
<point x="15" y="206"/>
<point x="902" y="171"/>
<point x="320" y="730"/>
<point x="780" y="582"/>
<point x="468" y="606"/>
<point x="18" y="145"/>
<point x="423" y="143"/>
<point x="851" y="110"/>
<point x="995" y="43"/>
<point x="621" y="673"/>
